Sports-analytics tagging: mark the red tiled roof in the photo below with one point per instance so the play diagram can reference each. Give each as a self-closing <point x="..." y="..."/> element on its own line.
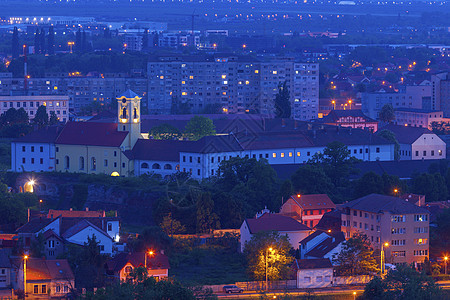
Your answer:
<point x="91" y="134"/>
<point x="315" y="201"/>
<point x="156" y="262"/>
<point x="52" y="269"/>
<point x="274" y="222"/>
<point x="54" y="213"/>
<point x="158" y="150"/>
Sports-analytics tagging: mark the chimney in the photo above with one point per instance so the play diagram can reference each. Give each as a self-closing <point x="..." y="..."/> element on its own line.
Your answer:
<point x="71" y="209"/>
<point x="87" y="208"/>
<point x="283" y="123"/>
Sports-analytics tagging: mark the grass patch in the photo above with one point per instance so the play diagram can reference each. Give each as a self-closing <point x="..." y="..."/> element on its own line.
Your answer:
<point x="208" y="265"/>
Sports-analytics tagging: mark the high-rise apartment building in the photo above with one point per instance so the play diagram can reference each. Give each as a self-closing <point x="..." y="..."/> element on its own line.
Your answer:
<point x="236" y="84"/>
<point x="440" y="94"/>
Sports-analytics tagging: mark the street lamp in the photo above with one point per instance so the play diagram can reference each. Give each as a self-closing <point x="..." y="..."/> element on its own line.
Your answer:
<point x="25" y="257"/>
<point x="40" y="204"/>
<point x="445" y="261"/>
<point x="396" y="192"/>
<point x="350" y="103"/>
<point x="71" y="45"/>
<point x="334" y="104"/>
<point x="267" y="256"/>
<point x="354" y="295"/>
<point x="150" y="253"/>
<point x="382" y="257"/>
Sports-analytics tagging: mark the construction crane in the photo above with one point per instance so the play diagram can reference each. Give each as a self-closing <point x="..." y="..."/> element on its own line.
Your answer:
<point x="193" y="15"/>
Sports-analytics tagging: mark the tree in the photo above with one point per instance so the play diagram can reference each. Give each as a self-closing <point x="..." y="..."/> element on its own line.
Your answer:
<point x="356" y="257"/>
<point x="84" y="44"/>
<point x="387" y="114"/>
<point x="78" y="45"/>
<point x="336" y="162"/>
<point x="51" y="41"/>
<point x="282" y="102"/>
<point x="403" y="283"/>
<point x="53" y="118"/>
<point x="171" y="226"/>
<point x="259" y="256"/>
<point x="198" y="127"/>
<point x="151" y="238"/>
<point x="311" y="179"/>
<point x="251" y="183"/>
<point x="207" y="220"/>
<point x="41" y="117"/>
<point x="165" y="132"/>
<point x="390" y="136"/>
<point x="433" y="186"/>
<point x="15" y="47"/>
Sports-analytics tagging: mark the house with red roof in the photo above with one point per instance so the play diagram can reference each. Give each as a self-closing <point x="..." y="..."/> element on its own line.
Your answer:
<point x="122" y="265"/>
<point x="45" y="278"/>
<point x="294" y="230"/>
<point x="307" y="209"/>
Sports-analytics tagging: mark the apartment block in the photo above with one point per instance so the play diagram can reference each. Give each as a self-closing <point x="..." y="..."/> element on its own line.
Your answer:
<point x="440" y="97"/>
<point x="236" y="84"/>
<point x="417" y="117"/>
<point x="402" y="224"/>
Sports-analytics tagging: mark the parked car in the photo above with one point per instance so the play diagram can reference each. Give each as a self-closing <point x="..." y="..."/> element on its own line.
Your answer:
<point x="232" y="289"/>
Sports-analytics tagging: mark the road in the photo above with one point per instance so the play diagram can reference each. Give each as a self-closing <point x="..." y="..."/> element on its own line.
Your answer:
<point x="346" y="290"/>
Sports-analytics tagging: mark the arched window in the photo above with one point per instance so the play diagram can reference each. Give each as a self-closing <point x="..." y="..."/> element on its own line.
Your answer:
<point x="177" y="167"/>
<point x="66" y="162"/>
<point x="81" y="163"/>
<point x="128" y="269"/>
<point x="93" y="164"/>
<point x="135" y="113"/>
<point x="144" y="166"/>
<point x="156" y="166"/>
<point x="167" y="167"/>
<point x="124" y="113"/>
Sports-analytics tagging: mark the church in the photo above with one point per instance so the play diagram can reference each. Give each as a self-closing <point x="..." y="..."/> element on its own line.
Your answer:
<point x="83" y="147"/>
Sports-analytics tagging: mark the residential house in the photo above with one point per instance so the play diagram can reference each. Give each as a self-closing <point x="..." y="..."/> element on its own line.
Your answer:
<point x="314" y="273"/>
<point x="418" y="117"/>
<point x="5" y="268"/>
<point x="294" y="230"/>
<point x="52" y="278"/>
<point x="307" y="209"/>
<point x="417" y="143"/>
<point x="321" y="244"/>
<point x="400" y="223"/>
<point x="122" y="265"/>
<point x="353" y="118"/>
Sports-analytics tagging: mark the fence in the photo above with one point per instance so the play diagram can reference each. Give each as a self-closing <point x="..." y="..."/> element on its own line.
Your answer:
<point x="352" y="280"/>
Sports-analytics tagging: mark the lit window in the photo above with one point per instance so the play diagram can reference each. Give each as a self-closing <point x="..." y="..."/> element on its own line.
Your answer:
<point x="290" y="154"/>
<point x="256" y="71"/>
<point x="274" y="155"/>
<point x="224" y="76"/>
<point x="282" y="154"/>
<point x="191" y="77"/>
<point x="274" y="72"/>
<point x="184" y="93"/>
<point x="298" y="153"/>
<point x="247" y="82"/>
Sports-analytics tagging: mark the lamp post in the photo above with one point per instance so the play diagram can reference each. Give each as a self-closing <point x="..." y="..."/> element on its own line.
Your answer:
<point x="71" y="45"/>
<point x="150" y="253"/>
<point x="40" y="204"/>
<point x="334" y="104"/>
<point x="382" y="257"/>
<point x="354" y="295"/>
<point x="396" y="192"/>
<point x="267" y="254"/>
<point x="445" y="261"/>
<point x="350" y="103"/>
<point x="25" y="257"/>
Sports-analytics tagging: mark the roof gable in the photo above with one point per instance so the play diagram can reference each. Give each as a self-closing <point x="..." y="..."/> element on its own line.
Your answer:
<point x="274" y="222"/>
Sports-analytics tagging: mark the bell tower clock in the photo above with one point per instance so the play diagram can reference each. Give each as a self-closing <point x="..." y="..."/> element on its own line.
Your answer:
<point x="129" y="116"/>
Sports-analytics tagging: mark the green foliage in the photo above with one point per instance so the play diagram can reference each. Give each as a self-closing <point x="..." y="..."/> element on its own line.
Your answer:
<point x="390" y="136"/>
<point x="387" y="114"/>
<point x="41" y="117"/>
<point x="171" y="226"/>
<point x="356" y="257"/>
<point x="433" y="186"/>
<point x="165" y="132"/>
<point x="148" y="288"/>
<point x="80" y="194"/>
<point x="13" y="207"/>
<point x="282" y="101"/>
<point x="14" y="123"/>
<point x="151" y="238"/>
<point x="207" y="220"/>
<point x="251" y="183"/>
<point x="403" y="283"/>
<point x="198" y="127"/>
<point x="53" y="118"/>
<point x="260" y="258"/>
<point x="372" y="183"/>
<point x="311" y="179"/>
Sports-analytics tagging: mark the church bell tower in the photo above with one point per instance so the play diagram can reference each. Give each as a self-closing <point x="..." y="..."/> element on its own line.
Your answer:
<point x="129" y="116"/>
